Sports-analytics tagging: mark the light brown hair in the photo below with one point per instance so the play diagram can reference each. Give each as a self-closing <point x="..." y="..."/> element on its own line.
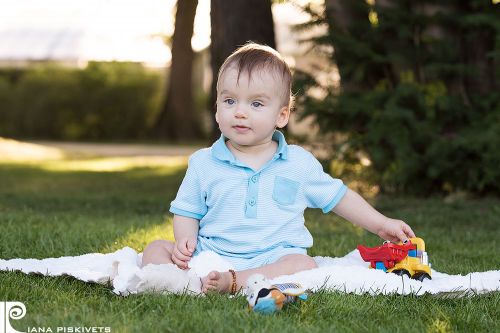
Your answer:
<point x="253" y="56"/>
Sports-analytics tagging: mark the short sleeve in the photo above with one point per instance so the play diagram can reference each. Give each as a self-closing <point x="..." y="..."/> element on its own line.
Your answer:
<point x="190" y="200"/>
<point x="322" y="190"/>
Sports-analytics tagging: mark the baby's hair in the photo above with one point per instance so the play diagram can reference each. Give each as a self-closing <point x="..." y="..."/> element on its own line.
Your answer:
<point x="253" y="56"/>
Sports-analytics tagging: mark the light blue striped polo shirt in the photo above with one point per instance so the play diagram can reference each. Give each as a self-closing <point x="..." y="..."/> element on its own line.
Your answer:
<point x="244" y="212"/>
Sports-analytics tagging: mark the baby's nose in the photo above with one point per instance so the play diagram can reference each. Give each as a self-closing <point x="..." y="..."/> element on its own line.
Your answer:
<point x="240" y="113"/>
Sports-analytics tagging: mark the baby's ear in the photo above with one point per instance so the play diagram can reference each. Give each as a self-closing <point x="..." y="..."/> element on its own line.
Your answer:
<point x="283" y="117"/>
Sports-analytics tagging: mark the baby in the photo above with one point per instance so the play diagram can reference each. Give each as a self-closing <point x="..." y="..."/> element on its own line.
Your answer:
<point x="244" y="197"/>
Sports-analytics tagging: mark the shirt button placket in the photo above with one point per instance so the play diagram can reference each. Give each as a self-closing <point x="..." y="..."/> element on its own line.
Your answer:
<point x="253" y="190"/>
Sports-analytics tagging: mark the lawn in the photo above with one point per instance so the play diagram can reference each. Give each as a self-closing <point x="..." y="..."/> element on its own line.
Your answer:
<point x="60" y="207"/>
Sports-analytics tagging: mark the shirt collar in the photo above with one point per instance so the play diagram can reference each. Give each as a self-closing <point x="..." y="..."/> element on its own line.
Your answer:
<point x="221" y="152"/>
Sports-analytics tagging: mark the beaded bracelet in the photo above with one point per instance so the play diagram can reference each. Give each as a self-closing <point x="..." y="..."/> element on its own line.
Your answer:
<point x="233" y="285"/>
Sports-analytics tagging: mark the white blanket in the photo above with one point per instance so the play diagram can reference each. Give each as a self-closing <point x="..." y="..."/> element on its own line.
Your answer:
<point x="348" y="274"/>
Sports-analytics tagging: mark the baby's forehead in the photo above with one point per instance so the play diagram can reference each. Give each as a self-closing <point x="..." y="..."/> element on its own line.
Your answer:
<point x="259" y="75"/>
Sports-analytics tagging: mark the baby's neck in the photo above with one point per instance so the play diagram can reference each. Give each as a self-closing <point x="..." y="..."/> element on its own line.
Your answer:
<point x="253" y="150"/>
<point x="254" y="156"/>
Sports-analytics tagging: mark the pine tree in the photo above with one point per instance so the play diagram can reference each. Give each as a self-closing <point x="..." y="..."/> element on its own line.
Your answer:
<point x="419" y="91"/>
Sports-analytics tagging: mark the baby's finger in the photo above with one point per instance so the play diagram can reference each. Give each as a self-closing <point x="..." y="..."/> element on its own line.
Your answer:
<point x="401" y="235"/>
<point x="408" y="231"/>
<point x="183" y="247"/>
<point x="181" y="264"/>
<point x="191" y="245"/>
<point x="175" y="260"/>
<point x="180" y="255"/>
<point x="394" y="239"/>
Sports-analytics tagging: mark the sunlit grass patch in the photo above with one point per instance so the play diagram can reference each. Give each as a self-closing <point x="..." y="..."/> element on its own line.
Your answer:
<point x="440" y="325"/>
<point x="17" y="151"/>
<point x="138" y="238"/>
<point x="115" y="164"/>
<point x="66" y="160"/>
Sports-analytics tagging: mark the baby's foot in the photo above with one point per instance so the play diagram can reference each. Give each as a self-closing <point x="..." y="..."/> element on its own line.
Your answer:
<point x="217" y="281"/>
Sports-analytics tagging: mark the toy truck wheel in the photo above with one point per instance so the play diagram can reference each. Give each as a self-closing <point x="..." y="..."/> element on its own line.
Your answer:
<point x="421" y="276"/>
<point x="401" y="272"/>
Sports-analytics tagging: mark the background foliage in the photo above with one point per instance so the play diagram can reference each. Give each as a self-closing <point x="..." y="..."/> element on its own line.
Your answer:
<point x="103" y="101"/>
<point x="419" y="92"/>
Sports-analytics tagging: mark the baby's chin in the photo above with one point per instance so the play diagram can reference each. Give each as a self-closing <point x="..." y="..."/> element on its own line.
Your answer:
<point x="241" y="139"/>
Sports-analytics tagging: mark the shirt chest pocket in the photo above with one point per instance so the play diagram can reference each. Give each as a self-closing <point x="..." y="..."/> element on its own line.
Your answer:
<point x="285" y="190"/>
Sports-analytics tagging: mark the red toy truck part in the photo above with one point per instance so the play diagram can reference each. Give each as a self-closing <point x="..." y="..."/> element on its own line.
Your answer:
<point x="388" y="253"/>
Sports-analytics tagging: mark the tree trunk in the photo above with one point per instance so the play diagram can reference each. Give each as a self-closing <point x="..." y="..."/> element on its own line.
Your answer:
<point x="348" y="18"/>
<point x="478" y="45"/>
<point x="234" y="22"/>
<point x="177" y="120"/>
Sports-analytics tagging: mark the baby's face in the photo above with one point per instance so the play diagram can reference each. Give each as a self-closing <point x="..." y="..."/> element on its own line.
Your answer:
<point x="249" y="110"/>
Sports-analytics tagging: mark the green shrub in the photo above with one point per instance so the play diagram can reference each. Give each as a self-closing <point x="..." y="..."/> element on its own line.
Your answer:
<point x="103" y="101"/>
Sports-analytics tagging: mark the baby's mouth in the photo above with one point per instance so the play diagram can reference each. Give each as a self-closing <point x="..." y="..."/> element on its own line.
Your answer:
<point x="241" y="128"/>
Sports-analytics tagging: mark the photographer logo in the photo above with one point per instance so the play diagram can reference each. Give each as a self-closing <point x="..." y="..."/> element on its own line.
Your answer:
<point x="17" y="310"/>
<point x="8" y="311"/>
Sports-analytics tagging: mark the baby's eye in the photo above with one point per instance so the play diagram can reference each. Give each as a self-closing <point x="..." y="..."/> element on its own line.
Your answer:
<point x="257" y="104"/>
<point x="229" y="101"/>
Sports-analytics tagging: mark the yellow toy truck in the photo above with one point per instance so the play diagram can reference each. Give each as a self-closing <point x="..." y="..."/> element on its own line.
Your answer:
<point x="408" y="258"/>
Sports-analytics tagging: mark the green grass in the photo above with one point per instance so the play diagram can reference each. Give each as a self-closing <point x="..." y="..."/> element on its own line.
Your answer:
<point x="47" y="210"/>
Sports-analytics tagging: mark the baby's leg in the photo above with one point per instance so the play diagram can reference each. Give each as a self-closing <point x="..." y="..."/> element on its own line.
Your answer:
<point x="158" y="252"/>
<point x="289" y="264"/>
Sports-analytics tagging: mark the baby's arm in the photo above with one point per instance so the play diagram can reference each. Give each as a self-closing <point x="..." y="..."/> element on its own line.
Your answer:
<point x="355" y="209"/>
<point x="186" y="235"/>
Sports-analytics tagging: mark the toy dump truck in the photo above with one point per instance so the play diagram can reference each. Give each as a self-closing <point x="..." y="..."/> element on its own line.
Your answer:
<point x="408" y="258"/>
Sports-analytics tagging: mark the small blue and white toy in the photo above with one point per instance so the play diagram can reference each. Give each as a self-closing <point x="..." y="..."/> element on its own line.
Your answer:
<point x="264" y="297"/>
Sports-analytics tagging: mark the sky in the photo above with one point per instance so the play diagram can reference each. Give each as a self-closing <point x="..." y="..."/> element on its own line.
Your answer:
<point x="122" y="30"/>
<point x="108" y="29"/>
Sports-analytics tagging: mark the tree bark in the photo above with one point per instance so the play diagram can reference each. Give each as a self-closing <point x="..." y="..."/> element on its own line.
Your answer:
<point x="478" y="44"/>
<point x="234" y="22"/>
<point x="177" y="120"/>
<point x="348" y="18"/>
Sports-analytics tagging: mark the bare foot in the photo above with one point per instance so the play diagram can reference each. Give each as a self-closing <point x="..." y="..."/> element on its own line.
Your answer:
<point x="217" y="281"/>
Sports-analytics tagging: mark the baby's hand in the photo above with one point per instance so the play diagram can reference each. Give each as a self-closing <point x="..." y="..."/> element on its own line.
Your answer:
<point x="395" y="231"/>
<point x="183" y="251"/>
